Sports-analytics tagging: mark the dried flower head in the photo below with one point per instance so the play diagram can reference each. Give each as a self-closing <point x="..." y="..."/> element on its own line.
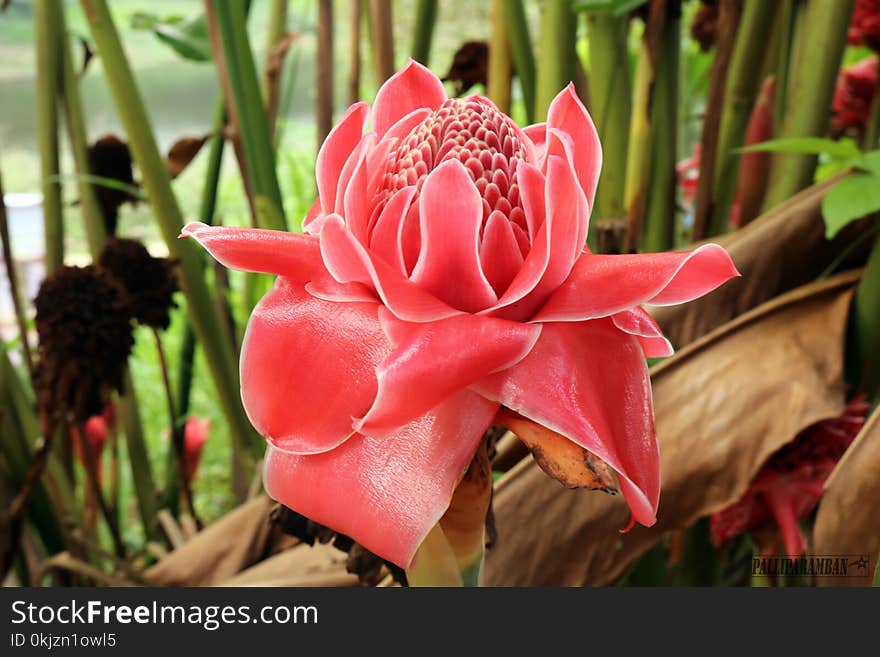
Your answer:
<point x="85" y="337"/>
<point x="149" y="282"/>
<point x="110" y="158"/>
<point x="470" y="66"/>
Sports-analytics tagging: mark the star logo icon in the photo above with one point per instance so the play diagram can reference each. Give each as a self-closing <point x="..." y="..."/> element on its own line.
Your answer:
<point x="861" y="563"/>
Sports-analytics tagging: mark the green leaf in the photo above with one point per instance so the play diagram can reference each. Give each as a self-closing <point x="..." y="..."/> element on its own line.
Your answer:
<point x="187" y="37"/>
<point x="850" y="199"/>
<point x="869" y="162"/>
<point x="843" y="149"/>
<point x="616" y="7"/>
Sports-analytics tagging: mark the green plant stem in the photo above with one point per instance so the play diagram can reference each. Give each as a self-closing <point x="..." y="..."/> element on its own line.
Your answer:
<point x="227" y="22"/>
<point x="47" y="40"/>
<point x="423" y="31"/>
<point x="785" y="37"/>
<point x="219" y="355"/>
<point x="659" y="229"/>
<point x="271" y="77"/>
<point x="813" y="77"/>
<point x="872" y="130"/>
<point x="728" y="22"/>
<point x="743" y="82"/>
<point x="12" y="279"/>
<point x="96" y="236"/>
<point x="94" y="484"/>
<point x="521" y="52"/>
<point x="638" y="155"/>
<point x="499" y="73"/>
<point x="864" y="343"/>
<point x="611" y="96"/>
<point x="556" y="58"/>
<point x="382" y="35"/>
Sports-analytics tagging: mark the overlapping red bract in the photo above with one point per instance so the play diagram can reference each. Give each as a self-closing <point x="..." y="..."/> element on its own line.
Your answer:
<point x="443" y="273"/>
<point x="790" y="484"/>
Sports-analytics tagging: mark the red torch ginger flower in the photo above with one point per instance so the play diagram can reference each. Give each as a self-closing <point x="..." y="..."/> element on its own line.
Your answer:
<point x="789" y="485"/>
<point x="851" y="105"/>
<point x="443" y="274"/>
<point x="864" y="27"/>
<point x="195" y="433"/>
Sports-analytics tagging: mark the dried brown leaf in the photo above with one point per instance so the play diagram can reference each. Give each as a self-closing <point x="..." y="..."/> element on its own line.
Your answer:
<point x="301" y="565"/>
<point x="848" y="519"/>
<point x="722" y="405"/>
<point x="779" y="251"/>
<point x="182" y="152"/>
<point x="234" y="542"/>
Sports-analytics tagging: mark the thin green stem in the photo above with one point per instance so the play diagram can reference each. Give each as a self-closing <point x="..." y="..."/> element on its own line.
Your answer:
<point x="785" y="38"/>
<point x="12" y="279"/>
<point x="743" y="83"/>
<point x="94" y="483"/>
<point x="864" y="344"/>
<point x="426" y="17"/>
<point x="324" y="76"/>
<point x="227" y="22"/>
<point x="611" y="96"/>
<point x="47" y="40"/>
<point x="638" y="156"/>
<point x="272" y="74"/>
<point x="129" y="104"/>
<point x="499" y="73"/>
<point x="813" y="77"/>
<point x="521" y="51"/>
<point x="872" y="130"/>
<point x="557" y="57"/>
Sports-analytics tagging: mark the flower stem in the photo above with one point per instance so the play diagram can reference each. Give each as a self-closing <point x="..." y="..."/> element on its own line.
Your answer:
<point x="813" y="72"/>
<point x="219" y="355"/>
<point x="272" y="78"/>
<point x="864" y="343"/>
<point x="324" y="75"/>
<point x="426" y="17"/>
<point x="98" y="495"/>
<point x="435" y="563"/>
<point x="638" y="157"/>
<point x="354" y="44"/>
<point x="521" y="52"/>
<point x="47" y="40"/>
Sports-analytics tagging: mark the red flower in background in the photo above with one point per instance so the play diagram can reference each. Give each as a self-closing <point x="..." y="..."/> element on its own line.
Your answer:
<point x="97" y="429"/>
<point x="195" y="433"/>
<point x="442" y="275"/>
<point x="864" y="27"/>
<point x="789" y="485"/>
<point x="851" y="106"/>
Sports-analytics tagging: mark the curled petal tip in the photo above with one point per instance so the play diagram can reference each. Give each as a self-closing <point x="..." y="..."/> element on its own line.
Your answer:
<point x="191" y="229"/>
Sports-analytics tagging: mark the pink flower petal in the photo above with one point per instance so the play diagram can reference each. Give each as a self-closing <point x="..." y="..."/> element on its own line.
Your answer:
<point x="308" y="366"/>
<point x="336" y="149"/>
<point x="348" y="262"/>
<point x="500" y="255"/>
<point x="537" y="134"/>
<point x="450" y="215"/>
<point x="601" y="285"/>
<point x="411" y="88"/>
<point x="433" y="360"/>
<point x="386" y="240"/>
<point x="568" y="115"/>
<point x="589" y="382"/>
<point x="355" y="195"/>
<point x="636" y="321"/>
<point x="385" y="494"/>
<point x="268" y="251"/>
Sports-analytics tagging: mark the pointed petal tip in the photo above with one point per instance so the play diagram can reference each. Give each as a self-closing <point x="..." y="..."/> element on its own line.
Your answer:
<point x="191" y="229"/>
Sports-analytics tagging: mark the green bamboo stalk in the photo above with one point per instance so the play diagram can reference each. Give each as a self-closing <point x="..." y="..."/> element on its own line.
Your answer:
<point x="864" y="343"/>
<point x="426" y="17"/>
<point x="638" y="155"/>
<point x="270" y="82"/>
<point x="227" y="22"/>
<point x="611" y="106"/>
<point x="728" y="22"/>
<point x="382" y="35"/>
<point x="743" y="83"/>
<point x="47" y="40"/>
<point x="872" y="130"/>
<point x="785" y="38"/>
<point x="354" y="43"/>
<point x="521" y="51"/>
<point x="96" y="236"/>
<point x="500" y="71"/>
<point x="659" y="230"/>
<point x="129" y="105"/>
<point x="556" y="58"/>
<point x="813" y="77"/>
